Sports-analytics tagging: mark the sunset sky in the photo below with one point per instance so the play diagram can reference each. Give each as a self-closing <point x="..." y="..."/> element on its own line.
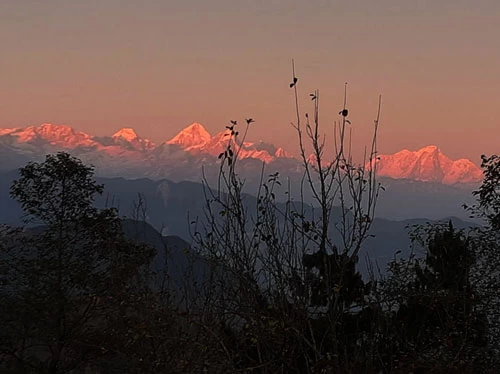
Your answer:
<point x="159" y="65"/>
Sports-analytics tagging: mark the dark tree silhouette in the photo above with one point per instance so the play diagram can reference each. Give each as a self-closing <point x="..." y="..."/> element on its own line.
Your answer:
<point x="437" y="324"/>
<point x="63" y="281"/>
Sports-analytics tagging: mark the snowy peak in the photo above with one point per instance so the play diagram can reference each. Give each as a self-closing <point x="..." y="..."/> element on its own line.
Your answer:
<point x="58" y="135"/>
<point x="430" y="165"/>
<point x="196" y="139"/>
<point x="429" y="149"/>
<point x="8" y="131"/>
<point x="427" y="164"/>
<point x="126" y="133"/>
<point x="281" y="153"/>
<point x="216" y="144"/>
<point x="463" y="171"/>
<point x="192" y="137"/>
<point x="128" y="138"/>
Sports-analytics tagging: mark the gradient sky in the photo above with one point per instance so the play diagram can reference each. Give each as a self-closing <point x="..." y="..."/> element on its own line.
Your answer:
<point x="159" y="65"/>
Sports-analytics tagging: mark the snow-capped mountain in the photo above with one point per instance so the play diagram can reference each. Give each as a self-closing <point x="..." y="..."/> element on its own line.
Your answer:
<point x="127" y="154"/>
<point x="196" y="140"/>
<point x="428" y="164"/>
<point x="128" y="137"/>
<point x="194" y="136"/>
<point x="56" y="135"/>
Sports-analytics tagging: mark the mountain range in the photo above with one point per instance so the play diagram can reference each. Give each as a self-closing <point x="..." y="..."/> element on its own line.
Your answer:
<point x="171" y="208"/>
<point x="423" y="183"/>
<point x="126" y="154"/>
<point x="428" y="164"/>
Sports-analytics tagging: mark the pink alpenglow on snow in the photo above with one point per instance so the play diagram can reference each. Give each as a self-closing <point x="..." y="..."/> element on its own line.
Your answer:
<point x="196" y="139"/>
<point x="128" y="136"/>
<point x="126" y="149"/>
<point x="60" y="135"/>
<point x="428" y="164"/>
<point x="194" y="136"/>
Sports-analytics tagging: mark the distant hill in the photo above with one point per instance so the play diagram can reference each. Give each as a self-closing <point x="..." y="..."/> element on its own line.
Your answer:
<point x="168" y="208"/>
<point x="175" y="262"/>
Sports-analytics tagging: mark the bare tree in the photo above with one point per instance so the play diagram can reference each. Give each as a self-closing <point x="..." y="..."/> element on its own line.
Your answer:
<point x="286" y="289"/>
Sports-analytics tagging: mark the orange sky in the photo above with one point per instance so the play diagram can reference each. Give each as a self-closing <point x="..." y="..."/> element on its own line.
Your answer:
<point x="158" y="66"/>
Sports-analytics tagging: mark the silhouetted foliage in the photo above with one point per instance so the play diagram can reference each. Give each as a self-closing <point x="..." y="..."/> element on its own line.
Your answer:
<point x="486" y="241"/>
<point x="62" y="282"/>
<point x="437" y="324"/>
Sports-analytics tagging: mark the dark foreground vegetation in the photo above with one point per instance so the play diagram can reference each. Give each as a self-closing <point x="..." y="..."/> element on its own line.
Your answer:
<point x="280" y="290"/>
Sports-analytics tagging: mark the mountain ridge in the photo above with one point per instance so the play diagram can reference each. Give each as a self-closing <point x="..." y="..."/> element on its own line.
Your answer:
<point x="125" y="153"/>
<point x="428" y="164"/>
